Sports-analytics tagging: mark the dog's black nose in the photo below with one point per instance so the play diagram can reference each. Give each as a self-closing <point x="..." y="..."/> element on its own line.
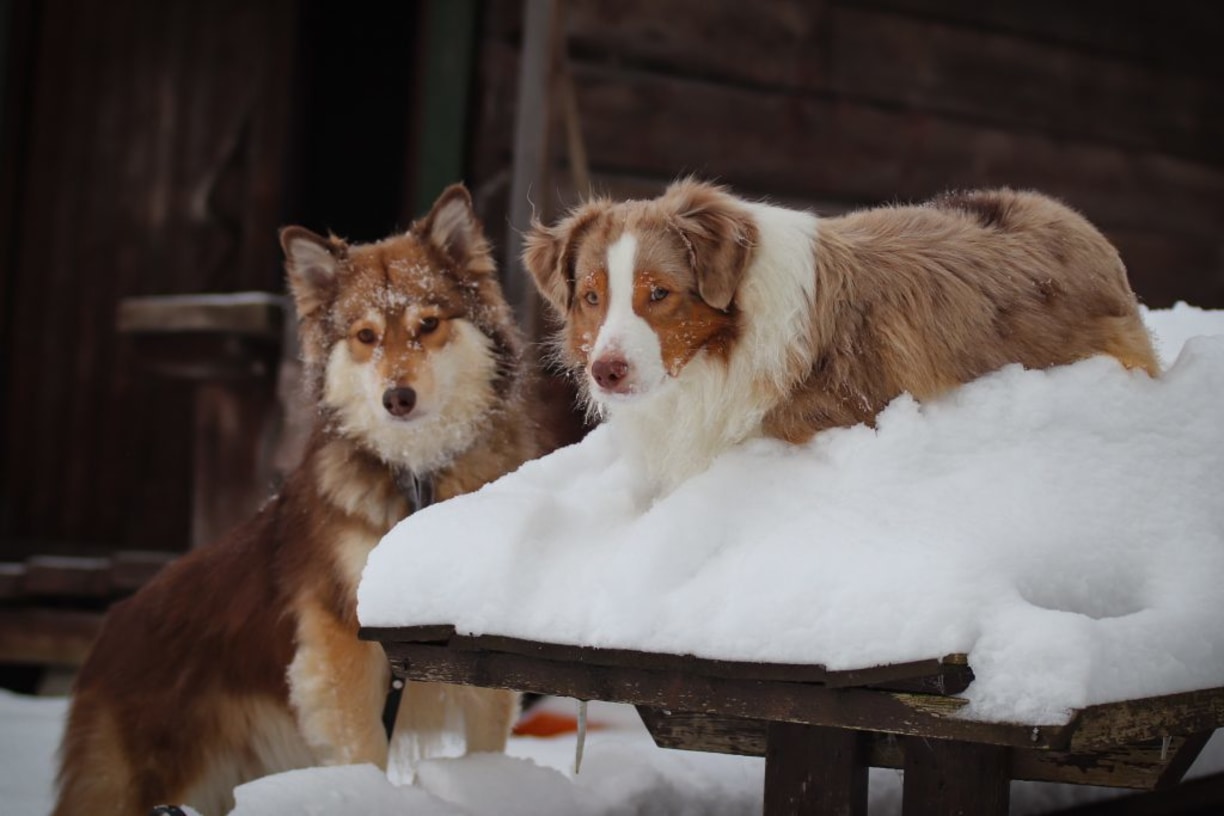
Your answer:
<point x="399" y="402"/>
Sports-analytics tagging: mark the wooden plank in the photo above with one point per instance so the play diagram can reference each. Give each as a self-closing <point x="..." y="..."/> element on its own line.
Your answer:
<point x="820" y="147"/>
<point x="12" y="577"/>
<point x="817" y="146"/>
<point x="798" y="673"/>
<point x="952" y="778"/>
<point x="1182" y="37"/>
<point x="132" y="569"/>
<point x="1142" y="766"/>
<point x="948" y="675"/>
<point x="1192" y="712"/>
<point x="57" y="637"/>
<point x="888" y="712"/>
<point x="946" y="68"/>
<point x="690" y="731"/>
<point x="257" y="314"/>
<point x="935" y="64"/>
<point x="781" y="43"/>
<point x="72" y="576"/>
<point x="437" y="634"/>
<point x="814" y="770"/>
<point x="532" y="122"/>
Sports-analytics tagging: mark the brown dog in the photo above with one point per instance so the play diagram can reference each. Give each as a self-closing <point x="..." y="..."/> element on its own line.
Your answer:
<point x="242" y="658"/>
<point x="698" y="319"/>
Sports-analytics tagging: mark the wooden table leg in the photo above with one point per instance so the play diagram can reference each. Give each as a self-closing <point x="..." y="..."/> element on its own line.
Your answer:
<point x="952" y="778"/>
<point x="813" y="770"/>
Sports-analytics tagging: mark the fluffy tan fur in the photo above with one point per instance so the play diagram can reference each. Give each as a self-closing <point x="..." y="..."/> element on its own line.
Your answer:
<point x="242" y="658"/>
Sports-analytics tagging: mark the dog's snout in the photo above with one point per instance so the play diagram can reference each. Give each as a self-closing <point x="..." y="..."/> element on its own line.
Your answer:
<point x="610" y="373"/>
<point x="399" y="402"/>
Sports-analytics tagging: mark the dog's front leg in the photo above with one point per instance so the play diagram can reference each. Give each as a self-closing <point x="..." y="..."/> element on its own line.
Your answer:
<point x="337" y="686"/>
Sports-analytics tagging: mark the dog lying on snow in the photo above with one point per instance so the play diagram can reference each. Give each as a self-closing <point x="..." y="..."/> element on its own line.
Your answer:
<point x="698" y="319"/>
<point x="241" y="658"/>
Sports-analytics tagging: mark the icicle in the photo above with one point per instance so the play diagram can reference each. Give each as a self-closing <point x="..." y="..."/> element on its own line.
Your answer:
<point x="582" y="726"/>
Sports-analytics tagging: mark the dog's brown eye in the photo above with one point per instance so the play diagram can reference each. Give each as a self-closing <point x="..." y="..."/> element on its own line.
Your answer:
<point x="428" y="324"/>
<point x="657" y="293"/>
<point x="592" y="298"/>
<point x="367" y="336"/>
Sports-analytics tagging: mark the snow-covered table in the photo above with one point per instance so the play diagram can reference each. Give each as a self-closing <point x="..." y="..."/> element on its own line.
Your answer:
<point x="820" y="730"/>
<point x="1061" y="528"/>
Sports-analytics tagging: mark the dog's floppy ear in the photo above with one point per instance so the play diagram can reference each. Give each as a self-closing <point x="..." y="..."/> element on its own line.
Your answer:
<point x="452" y="226"/>
<point x="549" y="253"/>
<point x="311" y="262"/>
<point x="719" y="234"/>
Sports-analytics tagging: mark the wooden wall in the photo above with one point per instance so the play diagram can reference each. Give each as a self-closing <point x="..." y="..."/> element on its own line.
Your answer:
<point x="152" y="159"/>
<point x="1116" y="108"/>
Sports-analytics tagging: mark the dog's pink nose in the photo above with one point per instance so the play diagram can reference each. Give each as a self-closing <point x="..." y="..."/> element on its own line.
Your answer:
<point x="399" y="402"/>
<point x="610" y="373"/>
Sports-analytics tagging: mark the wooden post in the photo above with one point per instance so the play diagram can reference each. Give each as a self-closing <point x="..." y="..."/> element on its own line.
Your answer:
<point x="950" y="778"/>
<point x="815" y="770"/>
<point x="450" y="40"/>
<point x="541" y="26"/>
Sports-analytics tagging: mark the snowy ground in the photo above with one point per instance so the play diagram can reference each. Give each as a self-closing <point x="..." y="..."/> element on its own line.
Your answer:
<point x="1137" y="574"/>
<point x="623" y="774"/>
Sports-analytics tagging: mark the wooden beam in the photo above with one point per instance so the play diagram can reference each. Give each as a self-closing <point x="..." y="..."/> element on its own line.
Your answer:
<point x="951" y="778"/>
<point x="450" y="27"/>
<point x="532" y="119"/>
<point x="814" y="770"/>
<point x="862" y="709"/>
<point x="947" y="675"/>
<point x="1151" y="718"/>
<point x="57" y="637"/>
<point x="1141" y="766"/>
<point x="256" y="314"/>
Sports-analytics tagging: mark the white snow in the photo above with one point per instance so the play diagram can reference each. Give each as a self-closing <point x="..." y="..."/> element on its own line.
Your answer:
<point x="1062" y="527"/>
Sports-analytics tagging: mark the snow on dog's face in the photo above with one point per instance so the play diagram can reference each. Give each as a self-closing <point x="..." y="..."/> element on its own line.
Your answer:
<point x="644" y="286"/>
<point x="407" y="341"/>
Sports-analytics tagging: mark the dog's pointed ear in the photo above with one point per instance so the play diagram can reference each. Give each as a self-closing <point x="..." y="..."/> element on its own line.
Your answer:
<point x="452" y="226"/>
<point x="312" y="263"/>
<point x="550" y="253"/>
<point x="719" y="234"/>
<point x="543" y="249"/>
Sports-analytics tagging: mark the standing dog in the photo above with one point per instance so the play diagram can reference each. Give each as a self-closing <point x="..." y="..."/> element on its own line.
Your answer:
<point x="699" y="319"/>
<point x="242" y="658"/>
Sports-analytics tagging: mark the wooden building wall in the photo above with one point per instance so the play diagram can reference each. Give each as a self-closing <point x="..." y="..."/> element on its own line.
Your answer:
<point x="155" y="148"/>
<point x="1118" y="109"/>
<point x="151" y="163"/>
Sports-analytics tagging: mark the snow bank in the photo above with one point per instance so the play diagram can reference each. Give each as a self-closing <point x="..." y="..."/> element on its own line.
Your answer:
<point x="1062" y="527"/>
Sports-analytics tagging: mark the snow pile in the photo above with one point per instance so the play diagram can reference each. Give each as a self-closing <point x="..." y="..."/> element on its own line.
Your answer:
<point x="1062" y="527"/>
<point x="625" y="774"/>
